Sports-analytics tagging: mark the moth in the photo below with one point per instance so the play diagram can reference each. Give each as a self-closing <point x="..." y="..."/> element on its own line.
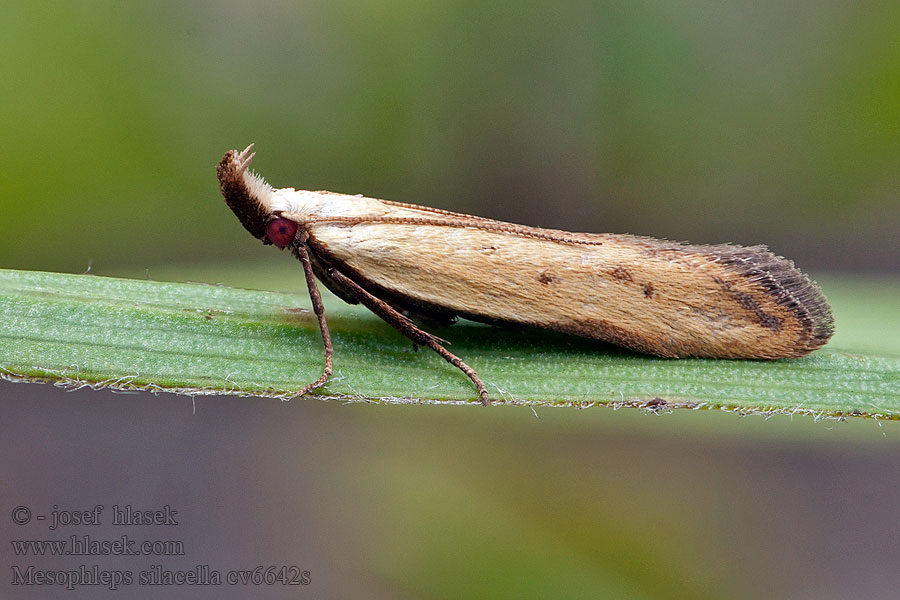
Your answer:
<point x="404" y="262"/>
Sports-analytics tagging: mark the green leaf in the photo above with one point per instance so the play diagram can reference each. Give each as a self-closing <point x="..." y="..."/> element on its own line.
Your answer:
<point x="196" y="338"/>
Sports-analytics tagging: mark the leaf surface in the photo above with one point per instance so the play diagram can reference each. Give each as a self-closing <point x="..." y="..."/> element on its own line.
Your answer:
<point x="196" y="338"/>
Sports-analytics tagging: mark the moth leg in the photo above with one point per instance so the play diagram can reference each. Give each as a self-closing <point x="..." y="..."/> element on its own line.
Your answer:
<point x="402" y="324"/>
<point x="303" y="255"/>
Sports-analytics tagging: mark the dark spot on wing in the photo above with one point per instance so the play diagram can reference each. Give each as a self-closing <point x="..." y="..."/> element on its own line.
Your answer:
<point x="648" y="290"/>
<point x="747" y="301"/>
<point x="621" y="273"/>
<point x="547" y="278"/>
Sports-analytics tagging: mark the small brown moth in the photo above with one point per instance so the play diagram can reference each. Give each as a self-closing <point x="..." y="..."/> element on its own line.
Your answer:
<point x="654" y="296"/>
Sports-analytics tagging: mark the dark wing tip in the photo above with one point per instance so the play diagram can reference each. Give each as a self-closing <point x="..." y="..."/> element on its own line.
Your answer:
<point x="789" y="286"/>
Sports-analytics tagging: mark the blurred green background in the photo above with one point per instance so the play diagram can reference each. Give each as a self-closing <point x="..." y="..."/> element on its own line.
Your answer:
<point x="709" y="121"/>
<point x="750" y="122"/>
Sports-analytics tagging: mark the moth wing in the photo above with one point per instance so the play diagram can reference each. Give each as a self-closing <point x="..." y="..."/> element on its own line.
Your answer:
<point x="657" y="297"/>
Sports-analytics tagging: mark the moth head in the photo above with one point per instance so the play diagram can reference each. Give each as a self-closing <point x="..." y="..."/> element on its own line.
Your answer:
<point x="250" y="199"/>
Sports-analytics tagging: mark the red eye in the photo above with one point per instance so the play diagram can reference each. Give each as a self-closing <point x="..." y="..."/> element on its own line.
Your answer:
<point x="281" y="232"/>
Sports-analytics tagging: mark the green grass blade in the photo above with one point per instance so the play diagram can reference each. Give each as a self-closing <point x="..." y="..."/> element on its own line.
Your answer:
<point x="194" y="338"/>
